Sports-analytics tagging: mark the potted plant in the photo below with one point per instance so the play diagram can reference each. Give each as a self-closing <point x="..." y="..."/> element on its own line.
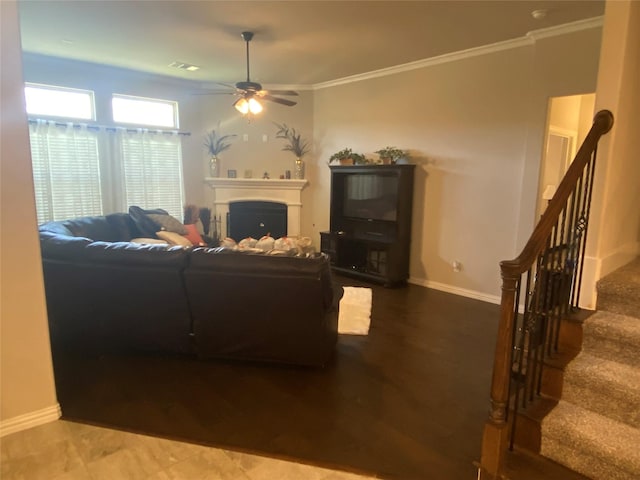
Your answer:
<point x="345" y="157"/>
<point x="391" y="154"/>
<point x="215" y="144"/>
<point x="294" y="144"/>
<point x="359" y="159"/>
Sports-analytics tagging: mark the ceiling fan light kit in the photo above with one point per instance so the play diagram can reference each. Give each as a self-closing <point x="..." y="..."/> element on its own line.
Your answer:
<point x="250" y="105"/>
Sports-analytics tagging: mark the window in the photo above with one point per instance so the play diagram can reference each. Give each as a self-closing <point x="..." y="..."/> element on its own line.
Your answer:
<point x="144" y="111"/>
<point x="66" y="171"/>
<point x="81" y="170"/>
<point x="151" y="164"/>
<point x="59" y="102"/>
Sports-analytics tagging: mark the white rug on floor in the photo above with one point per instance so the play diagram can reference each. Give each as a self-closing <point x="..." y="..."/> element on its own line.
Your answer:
<point x="355" y="311"/>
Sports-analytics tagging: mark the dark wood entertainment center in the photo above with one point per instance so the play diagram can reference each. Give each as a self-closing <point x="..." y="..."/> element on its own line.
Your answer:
<point x="370" y="222"/>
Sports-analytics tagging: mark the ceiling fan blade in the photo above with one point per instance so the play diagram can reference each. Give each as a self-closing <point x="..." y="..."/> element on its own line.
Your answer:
<point x="282" y="101"/>
<point x="278" y="92"/>
<point x="215" y="92"/>
<point x="233" y="91"/>
<point x="228" y="85"/>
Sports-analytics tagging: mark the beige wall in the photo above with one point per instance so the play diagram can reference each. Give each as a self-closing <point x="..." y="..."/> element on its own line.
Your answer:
<point x="564" y="112"/>
<point x="26" y="373"/>
<point x="614" y="236"/>
<point x="475" y="126"/>
<point x="562" y="65"/>
<point x="585" y="119"/>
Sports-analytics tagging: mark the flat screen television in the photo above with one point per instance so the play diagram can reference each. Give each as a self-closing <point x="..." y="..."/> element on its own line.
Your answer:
<point x="370" y="196"/>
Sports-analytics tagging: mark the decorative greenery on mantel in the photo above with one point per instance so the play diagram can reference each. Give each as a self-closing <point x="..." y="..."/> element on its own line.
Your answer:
<point x="215" y="143"/>
<point x="294" y="141"/>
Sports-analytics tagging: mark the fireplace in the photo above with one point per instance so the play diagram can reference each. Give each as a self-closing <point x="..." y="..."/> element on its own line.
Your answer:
<point x="256" y="219"/>
<point x="227" y="191"/>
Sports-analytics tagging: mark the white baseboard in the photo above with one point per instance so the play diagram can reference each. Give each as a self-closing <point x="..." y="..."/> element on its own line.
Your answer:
<point x="595" y="268"/>
<point x="463" y="292"/>
<point x="619" y="257"/>
<point x="29" y="420"/>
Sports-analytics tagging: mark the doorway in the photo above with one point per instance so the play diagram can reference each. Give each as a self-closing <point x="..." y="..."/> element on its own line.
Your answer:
<point x="568" y="122"/>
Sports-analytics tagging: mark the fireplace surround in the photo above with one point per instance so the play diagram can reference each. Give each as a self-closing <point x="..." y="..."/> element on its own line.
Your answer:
<point x="224" y="191"/>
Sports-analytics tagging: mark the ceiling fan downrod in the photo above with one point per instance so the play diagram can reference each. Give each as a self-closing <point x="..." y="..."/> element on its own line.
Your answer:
<point x="247" y="36"/>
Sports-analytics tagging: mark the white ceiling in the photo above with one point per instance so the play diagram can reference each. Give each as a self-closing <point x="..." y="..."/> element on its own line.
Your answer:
<point x="295" y="43"/>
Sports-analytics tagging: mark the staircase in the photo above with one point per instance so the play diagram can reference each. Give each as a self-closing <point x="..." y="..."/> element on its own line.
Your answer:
<point x="595" y="428"/>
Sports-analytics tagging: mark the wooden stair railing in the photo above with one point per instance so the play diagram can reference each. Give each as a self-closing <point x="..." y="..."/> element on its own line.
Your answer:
<point x="539" y="287"/>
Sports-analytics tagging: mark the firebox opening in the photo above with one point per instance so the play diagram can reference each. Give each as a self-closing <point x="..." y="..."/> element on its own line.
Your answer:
<point x="256" y="219"/>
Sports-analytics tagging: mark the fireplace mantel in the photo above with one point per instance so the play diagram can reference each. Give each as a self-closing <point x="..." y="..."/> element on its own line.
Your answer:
<point x="228" y="190"/>
<point x="256" y="183"/>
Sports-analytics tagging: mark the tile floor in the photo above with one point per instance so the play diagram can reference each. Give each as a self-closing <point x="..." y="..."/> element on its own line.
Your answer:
<point x="64" y="450"/>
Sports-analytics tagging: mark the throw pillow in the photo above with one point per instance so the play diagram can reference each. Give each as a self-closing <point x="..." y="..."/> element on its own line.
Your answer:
<point x="167" y="222"/>
<point x="193" y="235"/>
<point x="174" y="238"/>
<point x="146" y="226"/>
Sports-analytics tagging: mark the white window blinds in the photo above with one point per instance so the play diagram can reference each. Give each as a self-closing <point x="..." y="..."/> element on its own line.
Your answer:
<point x="66" y="171"/>
<point x="80" y="171"/>
<point x="151" y="164"/>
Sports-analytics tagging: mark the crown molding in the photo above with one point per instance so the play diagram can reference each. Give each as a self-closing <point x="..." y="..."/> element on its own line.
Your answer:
<point x="428" y="62"/>
<point x="528" y="39"/>
<point x="586" y="24"/>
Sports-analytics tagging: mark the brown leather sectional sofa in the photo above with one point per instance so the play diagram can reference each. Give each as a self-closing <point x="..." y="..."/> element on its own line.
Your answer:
<point x="107" y="294"/>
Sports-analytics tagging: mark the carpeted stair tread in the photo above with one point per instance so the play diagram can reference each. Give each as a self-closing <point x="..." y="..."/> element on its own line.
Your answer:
<point x="612" y="336"/>
<point x="591" y="444"/>
<point x="605" y="387"/>
<point x="619" y="291"/>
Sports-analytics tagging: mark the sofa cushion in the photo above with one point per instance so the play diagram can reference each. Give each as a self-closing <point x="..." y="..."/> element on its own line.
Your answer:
<point x="56" y="246"/>
<point x="95" y="228"/>
<point x="134" y="254"/>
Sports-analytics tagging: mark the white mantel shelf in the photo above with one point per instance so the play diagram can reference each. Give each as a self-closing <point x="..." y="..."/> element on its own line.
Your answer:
<point x="229" y="190"/>
<point x="259" y="183"/>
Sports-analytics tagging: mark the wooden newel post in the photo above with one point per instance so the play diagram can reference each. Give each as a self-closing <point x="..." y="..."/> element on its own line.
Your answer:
<point x="496" y="431"/>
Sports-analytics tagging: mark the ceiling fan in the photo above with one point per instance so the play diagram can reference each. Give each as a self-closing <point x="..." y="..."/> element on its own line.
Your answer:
<point x="250" y="92"/>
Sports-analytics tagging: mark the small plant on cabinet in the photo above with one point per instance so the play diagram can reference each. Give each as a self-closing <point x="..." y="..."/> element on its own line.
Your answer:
<point x="391" y="154"/>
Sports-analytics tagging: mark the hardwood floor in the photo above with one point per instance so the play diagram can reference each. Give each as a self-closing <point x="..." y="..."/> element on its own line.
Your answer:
<point x="407" y="401"/>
